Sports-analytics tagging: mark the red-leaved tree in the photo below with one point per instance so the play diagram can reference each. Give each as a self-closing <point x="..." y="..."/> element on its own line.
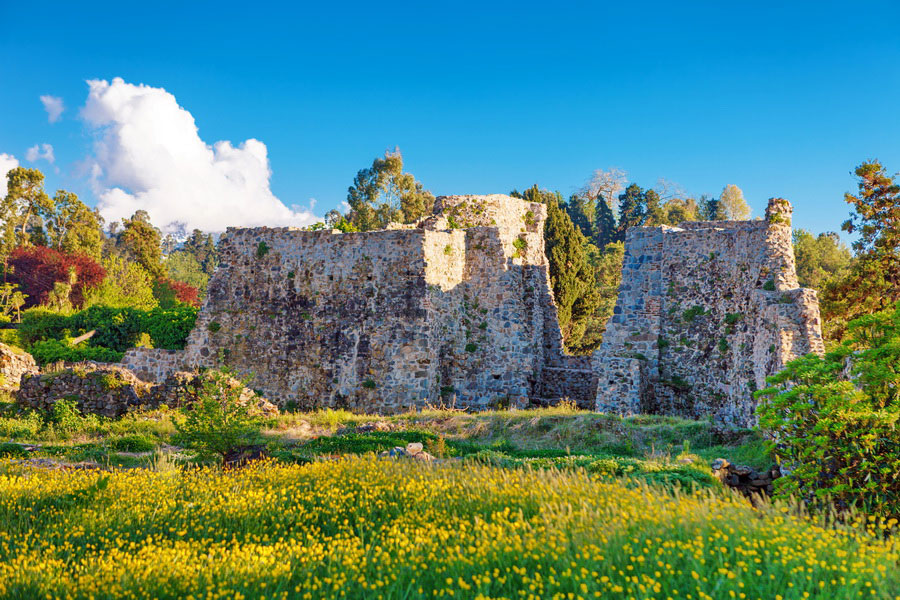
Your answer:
<point x="169" y="291"/>
<point x="36" y="269"/>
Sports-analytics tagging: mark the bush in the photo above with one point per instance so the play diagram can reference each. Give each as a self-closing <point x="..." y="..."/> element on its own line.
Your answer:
<point x="133" y="443"/>
<point x="116" y="328"/>
<point x="839" y="437"/>
<point x="51" y="351"/>
<point x="217" y="422"/>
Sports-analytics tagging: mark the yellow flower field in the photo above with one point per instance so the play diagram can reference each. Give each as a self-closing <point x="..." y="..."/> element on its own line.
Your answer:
<point x="368" y="528"/>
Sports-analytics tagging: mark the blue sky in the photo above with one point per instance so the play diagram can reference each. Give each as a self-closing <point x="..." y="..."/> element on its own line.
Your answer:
<point x="782" y="99"/>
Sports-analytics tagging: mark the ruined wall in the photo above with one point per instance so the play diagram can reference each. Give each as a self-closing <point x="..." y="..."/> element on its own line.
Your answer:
<point x="455" y="311"/>
<point x="705" y="312"/>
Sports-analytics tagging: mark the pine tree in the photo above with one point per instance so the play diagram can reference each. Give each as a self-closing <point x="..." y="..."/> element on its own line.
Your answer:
<point x="582" y="209"/>
<point x="711" y="209"/>
<point x="654" y="212"/>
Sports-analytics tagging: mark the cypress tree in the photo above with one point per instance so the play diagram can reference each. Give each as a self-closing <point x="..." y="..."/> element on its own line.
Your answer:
<point x="571" y="275"/>
<point x="631" y="209"/>
<point x="604" y="225"/>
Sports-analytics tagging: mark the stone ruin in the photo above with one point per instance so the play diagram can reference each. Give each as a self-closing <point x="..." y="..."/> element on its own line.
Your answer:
<point x="458" y="310"/>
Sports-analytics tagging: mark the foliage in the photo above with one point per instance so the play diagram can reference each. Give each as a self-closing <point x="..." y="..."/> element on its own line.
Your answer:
<point x="367" y="528"/>
<point x="217" y="422"/>
<point x="22" y="209"/>
<point x="838" y="436"/>
<point x="51" y="351"/>
<point x="820" y="259"/>
<point x="711" y="209"/>
<point x="72" y="227"/>
<point x="632" y="209"/>
<point x="140" y="242"/>
<point x="116" y="328"/>
<point x="11" y="301"/>
<point x="170" y="293"/>
<point x="202" y="248"/>
<point x="38" y="270"/>
<point x="571" y="275"/>
<point x="384" y="193"/>
<point x="127" y="284"/>
<point x="732" y="202"/>
<point x="183" y="267"/>
<point x="872" y="282"/>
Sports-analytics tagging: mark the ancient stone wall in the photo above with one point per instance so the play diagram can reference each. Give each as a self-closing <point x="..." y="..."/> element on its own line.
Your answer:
<point x="455" y="311"/>
<point x="705" y="312"/>
<point x="14" y="363"/>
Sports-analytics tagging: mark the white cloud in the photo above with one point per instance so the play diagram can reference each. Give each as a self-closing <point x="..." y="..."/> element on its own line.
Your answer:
<point x="148" y="156"/>
<point x="54" y="107"/>
<point x="44" y="152"/>
<point x="8" y="162"/>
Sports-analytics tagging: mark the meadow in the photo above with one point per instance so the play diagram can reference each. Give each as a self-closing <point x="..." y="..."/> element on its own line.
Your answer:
<point x="365" y="527"/>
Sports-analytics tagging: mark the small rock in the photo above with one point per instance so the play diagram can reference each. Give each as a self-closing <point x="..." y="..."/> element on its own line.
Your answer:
<point x="414" y="448"/>
<point x="719" y="463"/>
<point x="396" y="451"/>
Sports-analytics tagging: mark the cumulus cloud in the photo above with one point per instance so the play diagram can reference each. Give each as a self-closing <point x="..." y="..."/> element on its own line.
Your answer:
<point x="44" y="152"/>
<point x="54" y="107"/>
<point x="8" y="162"/>
<point x="148" y="155"/>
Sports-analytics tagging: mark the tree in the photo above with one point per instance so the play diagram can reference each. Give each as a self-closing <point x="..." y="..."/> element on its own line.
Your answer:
<point x="141" y="243"/>
<point x="220" y="417"/>
<point x="711" y="209"/>
<point x="384" y="193"/>
<point x="202" y="247"/>
<point x="74" y="228"/>
<point x="127" y="284"/>
<point x="169" y="293"/>
<point x="679" y="210"/>
<point x="582" y="210"/>
<point x="607" y="265"/>
<point x="605" y="230"/>
<point x="835" y="419"/>
<point x="820" y="258"/>
<point x="40" y="271"/>
<point x="733" y="203"/>
<point x="183" y="266"/>
<point x="872" y="283"/>
<point x="23" y="207"/>
<point x="571" y="276"/>
<point x="631" y="209"/>
<point x="607" y="185"/>
<point x="655" y="213"/>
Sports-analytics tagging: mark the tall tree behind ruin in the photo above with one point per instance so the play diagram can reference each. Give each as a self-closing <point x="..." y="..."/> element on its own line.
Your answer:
<point x="141" y="242"/>
<point x="571" y="275"/>
<point x="872" y="283"/>
<point x="24" y="206"/>
<point x="383" y="194"/>
<point x="631" y="209"/>
<point x="711" y="209"/>
<point x="733" y="203"/>
<point x="72" y="227"/>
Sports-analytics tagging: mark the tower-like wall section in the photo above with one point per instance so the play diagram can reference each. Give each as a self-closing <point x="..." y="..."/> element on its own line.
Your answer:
<point x="705" y="313"/>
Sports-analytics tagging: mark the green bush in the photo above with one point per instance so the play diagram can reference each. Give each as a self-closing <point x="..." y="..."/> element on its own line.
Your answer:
<point x="840" y="437"/>
<point x="216" y="422"/>
<point x="116" y="328"/>
<point x="51" y="351"/>
<point x="133" y="443"/>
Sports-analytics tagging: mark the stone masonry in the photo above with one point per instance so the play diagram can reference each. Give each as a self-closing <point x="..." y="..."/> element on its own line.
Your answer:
<point x="455" y="311"/>
<point x="706" y="311"/>
<point x="458" y="310"/>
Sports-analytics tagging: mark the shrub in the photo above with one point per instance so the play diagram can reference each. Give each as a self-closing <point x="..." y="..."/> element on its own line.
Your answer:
<point x="218" y="422"/>
<point x="37" y="269"/>
<point x="133" y="443"/>
<point x="116" y="328"/>
<point x="839" y="437"/>
<point x="51" y="351"/>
